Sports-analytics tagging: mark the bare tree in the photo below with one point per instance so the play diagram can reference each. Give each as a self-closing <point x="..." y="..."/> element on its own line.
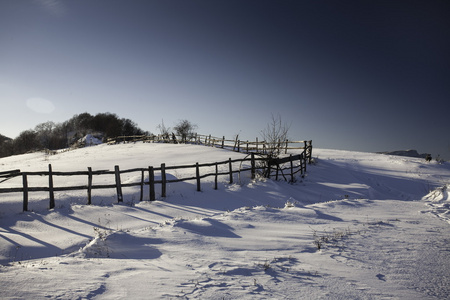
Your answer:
<point x="44" y="133"/>
<point x="185" y="130"/>
<point x="275" y="135"/>
<point x="164" y="131"/>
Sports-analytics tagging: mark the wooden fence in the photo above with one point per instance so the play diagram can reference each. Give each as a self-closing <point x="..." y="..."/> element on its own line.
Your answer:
<point x="273" y="168"/>
<point x="261" y="147"/>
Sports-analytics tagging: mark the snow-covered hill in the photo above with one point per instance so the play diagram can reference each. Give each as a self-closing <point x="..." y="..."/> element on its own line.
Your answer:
<point x="358" y="226"/>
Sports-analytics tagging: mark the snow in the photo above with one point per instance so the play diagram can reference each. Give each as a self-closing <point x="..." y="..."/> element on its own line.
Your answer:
<point x="90" y="140"/>
<point x="358" y="226"/>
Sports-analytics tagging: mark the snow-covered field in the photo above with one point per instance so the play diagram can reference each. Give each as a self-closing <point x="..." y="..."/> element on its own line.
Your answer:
<point x="358" y="226"/>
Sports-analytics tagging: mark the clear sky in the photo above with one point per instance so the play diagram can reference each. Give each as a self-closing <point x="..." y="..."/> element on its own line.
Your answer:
<point x="356" y="75"/>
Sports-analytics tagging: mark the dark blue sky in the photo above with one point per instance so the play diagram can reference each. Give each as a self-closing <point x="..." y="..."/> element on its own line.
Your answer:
<point x="358" y="75"/>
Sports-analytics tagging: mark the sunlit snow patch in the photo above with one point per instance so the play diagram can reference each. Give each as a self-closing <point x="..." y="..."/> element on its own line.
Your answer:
<point x="439" y="203"/>
<point x="89" y="140"/>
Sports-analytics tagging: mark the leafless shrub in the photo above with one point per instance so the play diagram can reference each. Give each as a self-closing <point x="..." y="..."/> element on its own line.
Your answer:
<point x="275" y="136"/>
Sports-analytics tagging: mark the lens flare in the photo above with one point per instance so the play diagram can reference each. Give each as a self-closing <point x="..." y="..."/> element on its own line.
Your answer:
<point x="40" y="105"/>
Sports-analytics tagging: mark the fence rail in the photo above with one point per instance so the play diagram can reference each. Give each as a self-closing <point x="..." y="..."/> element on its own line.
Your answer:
<point x="262" y="147"/>
<point x="264" y="166"/>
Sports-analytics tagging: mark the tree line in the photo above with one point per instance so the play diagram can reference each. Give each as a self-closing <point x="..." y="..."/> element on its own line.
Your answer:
<point x="52" y="136"/>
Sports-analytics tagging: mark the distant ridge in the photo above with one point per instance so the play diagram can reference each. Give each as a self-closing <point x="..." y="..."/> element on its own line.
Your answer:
<point x="409" y="153"/>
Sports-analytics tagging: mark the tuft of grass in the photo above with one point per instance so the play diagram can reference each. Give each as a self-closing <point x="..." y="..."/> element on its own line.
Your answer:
<point x="329" y="238"/>
<point x="266" y="265"/>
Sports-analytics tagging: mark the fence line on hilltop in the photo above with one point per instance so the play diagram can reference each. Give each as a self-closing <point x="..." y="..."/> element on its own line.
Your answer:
<point x="261" y="147"/>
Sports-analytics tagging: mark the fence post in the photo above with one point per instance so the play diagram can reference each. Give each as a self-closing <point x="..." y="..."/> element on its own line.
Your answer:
<point x="278" y="146"/>
<point x="142" y="186"/>
<point x="118" y="184"/>
<point x="89" y="188"/>
<point x="292" y="168"/>
<point x="223" y="141"/>
<point x="304" y="162"/>
<point x="231" y="170"/>
<point x="256" y="145"/>
<point x="300" y="159"/>
<point x="163" y="180"/>
<point x="285" y="151"/>
<point x="197" y="174"/>
<point x="50" y="187"/>
<point x="276" y="174"/>
<point x="215" y="178"/>
<point x="305" y="146"/>
<point x="239" y="146"/>
<point x="25" y="191"/>
<point x="247" y="146"/>
<point x="151" y="183"/>
<point x="253" y="165"/>
<point x="309" y="152"/>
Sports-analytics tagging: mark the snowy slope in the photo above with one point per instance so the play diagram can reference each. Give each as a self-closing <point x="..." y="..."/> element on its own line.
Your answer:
<point x="358" y="226"/>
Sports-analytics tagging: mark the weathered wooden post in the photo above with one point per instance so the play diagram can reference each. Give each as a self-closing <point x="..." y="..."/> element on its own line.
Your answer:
<point x="235" y="142"/>
<point x="253" y="165"/>
<point x="231" y="170"/>
<point x="163" y="180"/>
<point x="305" y="146"/>
<point x="151" y="183"/>
<point x="278" y="147"/>
<point x="197" y="175"/>
<point x="89" y="187"/>
<point x="142" y="186"/>
<point x="309" y="152"/>
<point x="223" y="141"/>
<point x="25" y="191"/>
<point x="118" y="184"/>
<point x="215" y="177"/>
<point x="301" y="163"/>
<point x="292" y="168"/>
<point x="50" y="187"/>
